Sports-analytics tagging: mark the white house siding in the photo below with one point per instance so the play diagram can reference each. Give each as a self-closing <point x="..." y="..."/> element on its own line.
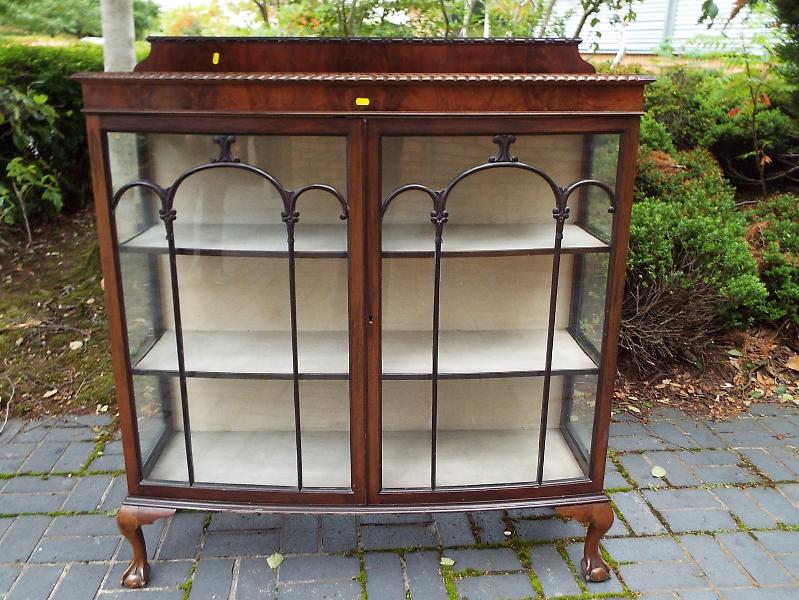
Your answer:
<point x="651" y="27"/>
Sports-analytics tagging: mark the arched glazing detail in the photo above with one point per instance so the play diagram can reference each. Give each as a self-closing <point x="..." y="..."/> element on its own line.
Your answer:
<point x="504" y="159"/>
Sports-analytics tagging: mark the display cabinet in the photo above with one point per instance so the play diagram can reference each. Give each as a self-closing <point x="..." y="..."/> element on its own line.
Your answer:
<point x="363" y="275"/>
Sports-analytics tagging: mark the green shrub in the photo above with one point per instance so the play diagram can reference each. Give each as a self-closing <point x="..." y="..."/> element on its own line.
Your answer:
<point x="689" y="270"/>
<point x="46" y="70"/>
<point x="774" y="239"/>
<point x="655" y="135"/>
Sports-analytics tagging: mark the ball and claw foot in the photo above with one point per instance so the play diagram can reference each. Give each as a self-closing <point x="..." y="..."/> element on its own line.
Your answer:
<point x="599" y="516"/>
<point x="129" y="520"/>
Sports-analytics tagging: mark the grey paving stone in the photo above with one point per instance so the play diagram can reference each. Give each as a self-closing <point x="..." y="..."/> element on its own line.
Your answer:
<point x="256" y="580"/>
<point x="640" y="469"/>
<point x="11" y="464"/>
<point x="757" y="562"/>
<point x="152" y="535"/>
<point x="183" y="536"/>
<point x="113" y="448"/>
<point x="677" y="472"/>
<point x="108" y="462"/>
<point x="644" y="549"/>
<point x="339" y="533"/>
<point x="65" y="549"/>
<point x="116" y="494"/>
<point x="38" y="485"/>
<point x="228" y="521"/>
<point x="490" y="526"/>
<point x="553" y="573"/>
<point x="80" y="582"/>
<point x="611" y="586"/>
<point x="534" y="512"/>
<point x="395" y="518"/>
<point x="318" y="568"/>
<point x="628" y="428"/>
<point x="701" y="434"/>
<point x="32" y="503"/>
<point x="768" y="464"/>
<point x="10" y="430"/>
<point x="672" y="435"/>
<point x="35" y="582"/>
<point x="637" y="443"/>
<point x="721" y="474"/>
<point x="495" y="587"/>
<point x="8" y="575"/>
<point x="637" y="513"/>
<point x="88" y="493"/>
<point x="791" y="491"/>
<point x="651" y="576"/>
<point x="698" y="595"/>
<point x="614" y="480"/>
<point x="788" y="456"/>
<point x="790" y="562"/>
<point x="21" y="538"/>
<point x="329" y="590"/>
<point x="781" y="593"/>
<point x="776" y="505"/>
<point x="779" y="542"/>
<point x="44" y="457"/>
<point x="454" y="529"/>
<point x="163" y="574"/>
<point x="145" y="594"/>
<point x="681" y="521"/>
<point x="485" y="559"/>
<point x="751" y="439"/>
<point x="240" y="543"/>
<point x="709" y="457"/>
<point x="212" y="579"/>
<point x="83" y="525"/>
<point x="714" y="561"/>
<point x="549" y="529"/>
<point x="71" y="434"/>
<point x="375" y="537"/>
<point x="745" y="508"/>
<point x="33" y="431"/>
<point x="5" y="523"/>
<point x="300" y="533"/>
<point x="424" y="579"/>
<point x="672" y="499"/>
<point x="781" y="425"/>
<point x="384" y="579"/>
<point x="618" y="528"/>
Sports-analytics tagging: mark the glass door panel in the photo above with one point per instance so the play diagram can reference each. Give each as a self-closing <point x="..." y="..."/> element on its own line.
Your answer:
<point x="483" y="366"/>
<point x="251" y="346"/>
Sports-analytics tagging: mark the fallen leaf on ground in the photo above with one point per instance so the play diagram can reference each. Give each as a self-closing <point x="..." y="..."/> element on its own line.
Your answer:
<point x="634" y="409"/>
<point x="793" y="363"/>
<point x="76" y="345"/>
<point x="50" y="393"/>
<point x="658" y="472"/>
<point x="447" y="562"/>
<point x="274" y="560"/>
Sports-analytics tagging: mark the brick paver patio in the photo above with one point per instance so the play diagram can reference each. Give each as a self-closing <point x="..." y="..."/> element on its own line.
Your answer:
<point x="722" y="524"/>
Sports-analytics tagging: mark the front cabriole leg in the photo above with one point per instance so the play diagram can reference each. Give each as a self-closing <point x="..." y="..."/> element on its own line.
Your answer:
<point x="130" y="518"/>
<point x="599" y="516"/>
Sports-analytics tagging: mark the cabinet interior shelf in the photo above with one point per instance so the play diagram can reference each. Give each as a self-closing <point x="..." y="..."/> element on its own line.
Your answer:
<point x="398" y="240"/>
<point x="406" y="354"/>
<point x="464" y="457"/>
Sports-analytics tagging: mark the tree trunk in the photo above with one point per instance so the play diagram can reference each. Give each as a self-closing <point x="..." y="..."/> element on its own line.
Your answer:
<point x="486" y="21"/>
<point x="622" y="27"/>
<point x="118" y="35"/>
<point x="542" y="28"/>
<point x="468" y="6"/>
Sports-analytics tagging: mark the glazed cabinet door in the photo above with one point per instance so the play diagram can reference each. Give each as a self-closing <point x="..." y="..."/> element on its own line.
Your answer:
<point x="233" y="262"/>
<point x="491" y="257"/>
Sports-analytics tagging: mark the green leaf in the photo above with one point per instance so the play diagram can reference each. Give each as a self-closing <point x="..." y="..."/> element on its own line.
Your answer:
<point x="274" y="560"/>
<point x="40" y="98"/>
<point x="758" y="393"/>
<point x="658" y="472"/>
<point x="734" y="352"/>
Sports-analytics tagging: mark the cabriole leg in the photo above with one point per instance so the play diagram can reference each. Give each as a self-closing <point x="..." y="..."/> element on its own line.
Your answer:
<point x="599" y="516"/>
<point x="129" y="520"/>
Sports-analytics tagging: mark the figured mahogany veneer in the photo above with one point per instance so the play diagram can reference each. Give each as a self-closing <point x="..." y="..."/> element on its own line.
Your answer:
<point x="365" y="91"/>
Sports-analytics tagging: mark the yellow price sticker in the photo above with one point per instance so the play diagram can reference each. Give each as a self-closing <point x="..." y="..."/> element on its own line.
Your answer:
<point x="215" y="58"/>
<point x="362" y="102"/>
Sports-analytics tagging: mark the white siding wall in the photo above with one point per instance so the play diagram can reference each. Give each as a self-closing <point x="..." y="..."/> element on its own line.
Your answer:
<point x="647" y="32"/>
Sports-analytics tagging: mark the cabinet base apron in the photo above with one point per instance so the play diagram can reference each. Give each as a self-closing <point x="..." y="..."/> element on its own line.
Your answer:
<point x="597" y="513"/>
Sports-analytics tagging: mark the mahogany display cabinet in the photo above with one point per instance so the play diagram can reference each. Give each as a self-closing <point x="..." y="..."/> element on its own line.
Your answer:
<point x="363" y="275"/>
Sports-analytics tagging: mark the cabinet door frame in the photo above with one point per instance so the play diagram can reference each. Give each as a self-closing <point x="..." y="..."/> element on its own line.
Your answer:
<point x="626" y="125"/>
<point x="98" y="125"/>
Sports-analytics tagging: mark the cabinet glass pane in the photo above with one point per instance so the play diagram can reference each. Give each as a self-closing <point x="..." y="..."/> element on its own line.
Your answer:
<point x="254" y="416"/>
<point x="466" y="363"/>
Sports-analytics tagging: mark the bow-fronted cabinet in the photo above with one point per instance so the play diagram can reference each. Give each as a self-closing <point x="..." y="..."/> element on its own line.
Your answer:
<point x="363" y="275"/>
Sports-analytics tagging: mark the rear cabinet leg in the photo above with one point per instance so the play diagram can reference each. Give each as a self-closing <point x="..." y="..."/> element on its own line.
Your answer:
<point x="599" y="516"/>
<point x="129" y="520"/>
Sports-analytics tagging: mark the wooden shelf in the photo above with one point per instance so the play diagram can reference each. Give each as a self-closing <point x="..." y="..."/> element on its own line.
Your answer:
<point x="313" y="240"/>
<point x="268" y="458"/>
<point x="406" y="354"/>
